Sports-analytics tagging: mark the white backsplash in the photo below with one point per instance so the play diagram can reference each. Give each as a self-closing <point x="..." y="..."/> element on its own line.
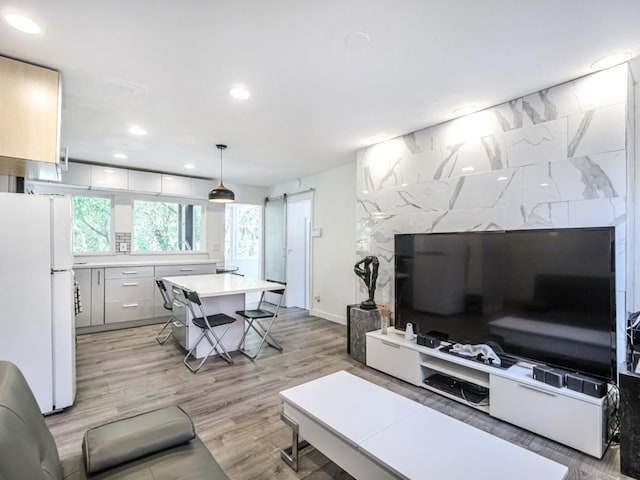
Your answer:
<point x="555" y="158"/>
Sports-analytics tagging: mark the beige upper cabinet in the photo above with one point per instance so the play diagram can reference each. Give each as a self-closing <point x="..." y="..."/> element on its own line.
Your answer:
<point x="29" y="114"/>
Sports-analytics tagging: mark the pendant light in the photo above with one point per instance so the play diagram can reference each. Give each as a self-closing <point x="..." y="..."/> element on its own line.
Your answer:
<point x="221" y="194"/>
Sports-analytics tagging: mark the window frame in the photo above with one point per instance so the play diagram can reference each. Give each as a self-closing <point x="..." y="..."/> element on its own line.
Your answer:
<point x="166" y="199"/>
<point x="112" y="234"/>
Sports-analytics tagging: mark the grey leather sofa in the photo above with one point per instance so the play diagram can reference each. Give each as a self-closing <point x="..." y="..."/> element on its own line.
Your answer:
<point x="158" y="445"/>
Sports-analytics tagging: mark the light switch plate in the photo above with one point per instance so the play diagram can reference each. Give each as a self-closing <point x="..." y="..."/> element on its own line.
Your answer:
<point x="316" y="232"/>
<point x="123" y="247"/>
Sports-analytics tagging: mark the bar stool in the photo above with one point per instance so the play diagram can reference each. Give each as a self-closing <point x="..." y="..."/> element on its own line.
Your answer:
<point x="254" y="322"/>
<point x="207" y="323"/>
<point x="167" y="304"/>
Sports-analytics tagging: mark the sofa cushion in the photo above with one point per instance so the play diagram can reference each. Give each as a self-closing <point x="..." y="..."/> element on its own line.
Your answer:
<point x="190" y="461"/>
<point x="124" y="440"/>
<point x="27" y="448"/>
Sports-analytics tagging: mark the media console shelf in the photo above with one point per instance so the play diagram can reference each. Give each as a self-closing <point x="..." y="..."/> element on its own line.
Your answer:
<point x="571" y="418"/>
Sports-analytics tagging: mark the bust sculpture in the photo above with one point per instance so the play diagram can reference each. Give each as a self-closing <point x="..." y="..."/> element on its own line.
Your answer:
<point x="367" y="270"/>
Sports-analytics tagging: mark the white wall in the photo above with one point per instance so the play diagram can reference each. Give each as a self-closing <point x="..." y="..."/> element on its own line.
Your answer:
<point x="332" y="277"/>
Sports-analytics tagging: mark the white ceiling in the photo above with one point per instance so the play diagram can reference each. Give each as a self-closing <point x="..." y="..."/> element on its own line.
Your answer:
<point x="167" y="66"/>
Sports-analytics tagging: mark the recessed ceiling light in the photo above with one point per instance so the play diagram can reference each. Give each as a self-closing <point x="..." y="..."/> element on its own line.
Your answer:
<point x="241" y="93"/>
<point x="357" y="40"/>
<point x="189" y="166"/>
<point x="136" y="130"/>
<point x="465" y="110"/>
<point x="120" y="156"/>
<point x="611" y="60"/>
<point x="22" y="23"/>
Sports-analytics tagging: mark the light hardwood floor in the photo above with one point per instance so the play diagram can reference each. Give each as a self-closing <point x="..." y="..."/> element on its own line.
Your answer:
<point x="236" y="408"/>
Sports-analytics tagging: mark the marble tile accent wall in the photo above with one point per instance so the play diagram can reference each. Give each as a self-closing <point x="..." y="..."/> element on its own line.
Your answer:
<point x="555" y="158"/>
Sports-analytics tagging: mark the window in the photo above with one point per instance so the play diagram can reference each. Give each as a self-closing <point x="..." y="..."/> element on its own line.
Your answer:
<point x="242" y="231"/>
<point x="166" y="226"/>
<point x="91" y="224"/>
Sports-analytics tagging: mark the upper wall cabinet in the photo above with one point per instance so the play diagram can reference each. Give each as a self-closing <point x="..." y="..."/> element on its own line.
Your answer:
<point x="107" y="177"/>
<point x="176" y="185"/>
<point x="29" y="115"/>
<point x="200" y="188"/>
<point x="145" y="182"/>
<point x="78" y="174"/>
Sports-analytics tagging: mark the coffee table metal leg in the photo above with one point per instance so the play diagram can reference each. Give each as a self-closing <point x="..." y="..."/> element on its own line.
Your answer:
<point x="290" y="454"/>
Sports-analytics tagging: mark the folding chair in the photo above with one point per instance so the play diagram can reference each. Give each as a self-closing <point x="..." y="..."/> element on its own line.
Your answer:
<point x="254" y="322"/>
<point x="207" y="323"/>
<point x="167" y="304"/>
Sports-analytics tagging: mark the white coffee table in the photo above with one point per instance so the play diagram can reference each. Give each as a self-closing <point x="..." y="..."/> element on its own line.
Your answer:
<point x="373" y="433"/>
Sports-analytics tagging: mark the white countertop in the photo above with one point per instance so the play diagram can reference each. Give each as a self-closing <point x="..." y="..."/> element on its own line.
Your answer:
<point x="141" y="263"/>
<point x="221" y="284"/>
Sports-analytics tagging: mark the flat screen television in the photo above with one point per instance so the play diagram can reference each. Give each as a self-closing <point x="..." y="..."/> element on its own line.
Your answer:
<point x="543" y="295"/>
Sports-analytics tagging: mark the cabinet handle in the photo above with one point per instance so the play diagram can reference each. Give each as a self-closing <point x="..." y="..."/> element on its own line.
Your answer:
<point x="129" y="305"/>
<point x="539" y="390"/>
<point x="99" y="272"/>
<point x="66" y="159"/>
<point x="389" y="344"/>
<point x="129" y="284"/>
<point x="129" y="272"/>
<point x="186" y="269"/>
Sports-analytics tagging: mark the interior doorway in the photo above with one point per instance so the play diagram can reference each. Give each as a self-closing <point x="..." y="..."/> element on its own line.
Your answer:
<point x="298" y="251"/>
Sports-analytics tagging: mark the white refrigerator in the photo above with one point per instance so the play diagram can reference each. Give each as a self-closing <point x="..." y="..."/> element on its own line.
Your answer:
<point x="37" y="317"/>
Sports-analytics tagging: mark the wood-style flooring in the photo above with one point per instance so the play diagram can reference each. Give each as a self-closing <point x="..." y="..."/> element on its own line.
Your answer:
<point x="236" y="408"/>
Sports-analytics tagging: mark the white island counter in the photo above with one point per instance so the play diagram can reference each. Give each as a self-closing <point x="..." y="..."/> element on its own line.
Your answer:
<point x="222" y="293"/>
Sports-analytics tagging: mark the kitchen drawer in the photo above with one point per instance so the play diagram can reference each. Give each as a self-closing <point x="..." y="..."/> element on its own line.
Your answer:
<point x="128" y="288"/>
<point x="124" y="311"/>
<point x="176" y="270"/>
<point x="394" y="359"/>
<point x="128" y="272"/>
<point x="546" y="411"/>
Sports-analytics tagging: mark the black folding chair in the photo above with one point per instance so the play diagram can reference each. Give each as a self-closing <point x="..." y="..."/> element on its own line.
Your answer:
<point x="167" y="304"/>
<point x="207" y="323"/>
<point x="254" y="320"/>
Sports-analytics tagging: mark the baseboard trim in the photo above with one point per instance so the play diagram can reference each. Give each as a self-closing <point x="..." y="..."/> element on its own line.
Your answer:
<point x="328" y="316"/>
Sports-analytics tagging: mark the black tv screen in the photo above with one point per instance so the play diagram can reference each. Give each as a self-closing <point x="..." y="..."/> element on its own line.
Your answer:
<point x="542" y="295"/>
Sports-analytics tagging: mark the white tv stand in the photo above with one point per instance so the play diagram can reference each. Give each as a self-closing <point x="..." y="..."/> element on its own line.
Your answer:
<point x="571" y="418"/>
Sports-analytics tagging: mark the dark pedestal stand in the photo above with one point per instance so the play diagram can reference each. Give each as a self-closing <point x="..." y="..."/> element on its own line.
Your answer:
<point x="362" y="321"/>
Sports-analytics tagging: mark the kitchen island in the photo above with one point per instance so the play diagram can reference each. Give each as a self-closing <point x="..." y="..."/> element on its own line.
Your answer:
<point x="221" y="293"/>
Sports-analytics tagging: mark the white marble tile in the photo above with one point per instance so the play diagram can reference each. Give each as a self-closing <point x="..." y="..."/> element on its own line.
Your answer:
<point x="600" y="89"/>
<point x="508" y="116"/>
<point x="544" y="142"/>
<point x="458" y="221"/>
<point x="503" y="187"/>
<point x="597" y="213"/>
<point x="596" y="131"/>
<point x="550" y="104"/>
<point x="518" y="217"/>
<point x="581" y="178"/>
<point x="434" y="195"/>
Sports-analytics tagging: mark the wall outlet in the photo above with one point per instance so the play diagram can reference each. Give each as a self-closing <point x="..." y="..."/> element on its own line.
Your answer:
<point x="123" y="247"/>
<point x="317" y="298"/>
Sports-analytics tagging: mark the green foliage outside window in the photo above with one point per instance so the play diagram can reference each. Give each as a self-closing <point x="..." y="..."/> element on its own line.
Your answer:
<point x="242" y="231"/>
<point x="166" y="226"/>
<point x="91" y="224"/>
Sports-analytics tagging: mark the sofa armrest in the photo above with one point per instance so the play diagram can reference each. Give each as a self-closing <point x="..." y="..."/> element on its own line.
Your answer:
<point x="124" y="440"/>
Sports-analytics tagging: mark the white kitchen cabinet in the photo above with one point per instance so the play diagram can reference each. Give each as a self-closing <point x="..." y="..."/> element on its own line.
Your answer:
<point x="97" y="296"/>
<point x="200" y="188"/>
<point x="128" y="294"/>
<point x="176" y="185"/>
<point x="78" y="174"/>
<point x="394" y="358"/>
<point x="83" y="277"/>
<point x="145" y="182"/>
<point x="109" y="177"/>
<point x="91" y="282"/>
